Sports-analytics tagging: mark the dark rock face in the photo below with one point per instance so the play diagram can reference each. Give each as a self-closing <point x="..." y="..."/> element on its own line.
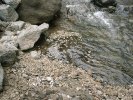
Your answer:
<point x="38" y="11"/>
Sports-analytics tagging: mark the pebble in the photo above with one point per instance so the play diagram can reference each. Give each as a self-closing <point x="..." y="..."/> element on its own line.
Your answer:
<point x="49" y="79"/>
<point x="35" y="54"/>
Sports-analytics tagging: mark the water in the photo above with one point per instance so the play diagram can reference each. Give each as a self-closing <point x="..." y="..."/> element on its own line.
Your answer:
<point x="97" y="40"/>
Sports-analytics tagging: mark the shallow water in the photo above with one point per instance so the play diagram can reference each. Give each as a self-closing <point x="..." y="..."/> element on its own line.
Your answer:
<point x="95" y="40"/>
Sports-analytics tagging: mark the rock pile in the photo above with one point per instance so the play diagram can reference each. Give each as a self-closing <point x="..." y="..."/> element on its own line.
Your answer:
<point x="92" y="34"/>
<point x="19" y="35"/>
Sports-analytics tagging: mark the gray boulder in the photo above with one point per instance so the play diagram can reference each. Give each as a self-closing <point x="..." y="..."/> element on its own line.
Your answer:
<point x="7" y="13"/>
<point x="38" y="11"/>
<point x="1" y="77"/>
<point x="8" y="54"/>
<point x="12" y="3"/>
<point x="29" y="36"/>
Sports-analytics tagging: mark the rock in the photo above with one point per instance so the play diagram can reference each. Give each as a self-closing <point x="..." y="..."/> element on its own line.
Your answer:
<point x="12" y="3"/>
<point x="29" y="36"/>
<point x="3" y="25"/>
<point x="49" y="79"/>
<point x="7" y="13"/>
<point x="1" y="77"/>
<point x="104" y="3"/>
<point x="15" y="26"/>
<point x="8" y="54"/>
<point x="38" y="11"/>
<point x="9" y="39"/>
<point x="35" y="54"/>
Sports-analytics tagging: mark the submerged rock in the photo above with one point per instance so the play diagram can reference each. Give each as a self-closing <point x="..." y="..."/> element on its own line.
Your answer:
<point x="38" y="11"/>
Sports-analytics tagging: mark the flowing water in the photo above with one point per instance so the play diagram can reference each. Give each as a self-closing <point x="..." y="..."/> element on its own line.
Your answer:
<point x="96" y="40"/>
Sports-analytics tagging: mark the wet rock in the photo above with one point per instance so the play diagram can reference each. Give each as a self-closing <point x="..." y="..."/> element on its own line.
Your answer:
<point x="7" y="13"/>
<point x="1" y="77"/>
<point x="12" y="3"/>
<point x="37" y="12"/>
<point x="8" y="54"/>
<point x="29" y="36"/>
<point x="111" y="76"/>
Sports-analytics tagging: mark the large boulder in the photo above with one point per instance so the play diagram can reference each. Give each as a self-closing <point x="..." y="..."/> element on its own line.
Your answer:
<point x="29" y="36"/>
<point x="38" y="11"/>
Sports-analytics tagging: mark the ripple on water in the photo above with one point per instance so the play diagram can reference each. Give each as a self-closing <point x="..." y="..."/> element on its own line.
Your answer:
<point x="106" y="47"/>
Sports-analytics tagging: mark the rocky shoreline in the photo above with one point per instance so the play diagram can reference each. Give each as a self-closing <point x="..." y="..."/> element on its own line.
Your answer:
<point x="86" y="54"/>
<point x="43" y="79"/>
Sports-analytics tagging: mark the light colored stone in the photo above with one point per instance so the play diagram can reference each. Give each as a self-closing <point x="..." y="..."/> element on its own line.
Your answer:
<point x="35" y="54"/>
<point x="9" y="39"/>
<point x="15" y="26"/>
<point x="29" y="36"/>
